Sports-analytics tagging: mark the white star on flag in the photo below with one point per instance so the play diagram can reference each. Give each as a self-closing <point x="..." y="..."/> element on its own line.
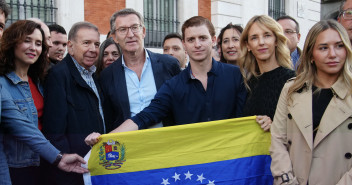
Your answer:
<point x="165" y="181"/>
<point x="176" y="176"/>
<point x="200" y="178"/>
<point x="211" y="183"/>
<point x="188" y="176"/>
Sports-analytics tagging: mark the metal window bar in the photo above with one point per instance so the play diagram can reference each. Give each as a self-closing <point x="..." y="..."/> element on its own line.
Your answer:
<point x="276" y="8"/>
<point x="23" y="9"/>
<point x="160" y="19"/>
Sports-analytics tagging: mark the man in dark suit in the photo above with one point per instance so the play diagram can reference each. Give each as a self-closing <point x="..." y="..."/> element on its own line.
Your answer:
<point x="72" y="101"/>
<point x="130" y="83"/>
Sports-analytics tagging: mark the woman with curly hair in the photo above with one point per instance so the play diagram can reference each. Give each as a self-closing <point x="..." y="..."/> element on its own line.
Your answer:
<point x="23" y="59"/>
<point x="265" y="64"/>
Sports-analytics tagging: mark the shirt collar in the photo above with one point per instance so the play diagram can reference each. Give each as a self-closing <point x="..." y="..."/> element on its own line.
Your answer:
<point x="13" y="77"/>
<point x="214" y="69"/>
<point x="83" y="70"/>
<point x="295" y="53"/>
<point x="147" y="58"/>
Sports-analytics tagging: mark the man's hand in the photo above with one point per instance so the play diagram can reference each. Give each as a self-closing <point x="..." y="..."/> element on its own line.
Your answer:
<point x="72" y="163"/>
<point x="264" y="122"/>
<point x="92" y="139"/>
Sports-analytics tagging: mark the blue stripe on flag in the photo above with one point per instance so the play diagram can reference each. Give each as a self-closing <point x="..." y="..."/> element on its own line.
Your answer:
<point x="252" y="170"/>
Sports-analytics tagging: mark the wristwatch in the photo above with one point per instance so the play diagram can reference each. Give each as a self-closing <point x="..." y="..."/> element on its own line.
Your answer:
<point x="58" y="159"/>
<point x="285" y="178"/>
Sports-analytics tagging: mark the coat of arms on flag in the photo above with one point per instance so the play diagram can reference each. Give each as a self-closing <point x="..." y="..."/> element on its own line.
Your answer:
<point x="233" y="151"/>
<point x="111" y="154"/>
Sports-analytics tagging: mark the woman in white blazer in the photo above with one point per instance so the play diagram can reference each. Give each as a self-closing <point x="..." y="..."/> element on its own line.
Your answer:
<point x="312" y="128"/>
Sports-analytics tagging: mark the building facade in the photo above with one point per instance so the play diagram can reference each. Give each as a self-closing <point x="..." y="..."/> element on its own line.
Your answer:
<point x="165" y="16"/>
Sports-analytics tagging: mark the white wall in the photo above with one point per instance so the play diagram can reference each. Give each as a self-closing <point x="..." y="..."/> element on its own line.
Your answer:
<point x="69" y="12"/>
<point x="226" y="11"/>
<point x="136" y="5"/>
<point x="186" y="10"/>
<point x="306" y="12"/>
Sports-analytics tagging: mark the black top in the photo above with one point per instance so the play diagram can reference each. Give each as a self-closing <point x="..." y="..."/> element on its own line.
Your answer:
<point x="321" y="100"/>
<point x="265" y="92"/>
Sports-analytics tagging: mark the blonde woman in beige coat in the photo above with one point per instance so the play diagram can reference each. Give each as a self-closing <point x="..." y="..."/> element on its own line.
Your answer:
<point x="312" y="128"/>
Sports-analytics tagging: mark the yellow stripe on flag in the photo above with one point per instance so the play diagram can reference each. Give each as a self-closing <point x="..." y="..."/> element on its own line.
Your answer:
<point x="183" y="145"/>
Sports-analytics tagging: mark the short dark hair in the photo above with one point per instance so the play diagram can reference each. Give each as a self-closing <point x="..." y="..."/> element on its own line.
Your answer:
<point x="57" y="28"/>
<point x="122" y="13"/>
<point x="291" y="18"/>
<point x="221" y="35"/>
<point x="171" y="36"/>
<point x="198" y="21"/>
<point x="80" y="25"/>
<point x="4" y="8"/>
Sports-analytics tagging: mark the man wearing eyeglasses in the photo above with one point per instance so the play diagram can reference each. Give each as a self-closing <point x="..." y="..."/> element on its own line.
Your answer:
<point x="130" y="83"/>
<point x="291" y="31"/>
<point x="345" y="16"/>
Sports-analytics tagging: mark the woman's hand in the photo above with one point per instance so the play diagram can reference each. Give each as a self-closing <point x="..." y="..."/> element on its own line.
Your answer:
<point x="92" y="138"/>
<point x="264" y="122"/>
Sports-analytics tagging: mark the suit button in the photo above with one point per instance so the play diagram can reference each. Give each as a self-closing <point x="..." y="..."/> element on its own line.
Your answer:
<point x="350" y="126"/>
<point x="348" y="155"/>
<point x="289" y="142"/>
<point x="289" y="116"/>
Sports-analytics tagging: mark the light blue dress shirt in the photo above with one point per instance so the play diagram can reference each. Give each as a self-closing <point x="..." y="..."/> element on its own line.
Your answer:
<point x="295" y="57"/>
<point x="87" y="76"/>
<point x="140" y="92"/>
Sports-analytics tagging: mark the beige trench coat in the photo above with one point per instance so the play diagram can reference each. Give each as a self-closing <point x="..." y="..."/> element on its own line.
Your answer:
<point x="327" y="160"/>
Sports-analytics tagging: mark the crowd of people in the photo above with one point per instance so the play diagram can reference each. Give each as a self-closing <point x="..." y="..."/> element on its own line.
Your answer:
<point x="54" y="107"/>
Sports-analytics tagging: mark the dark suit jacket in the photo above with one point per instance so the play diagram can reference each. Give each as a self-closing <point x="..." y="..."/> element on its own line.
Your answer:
<point x="71" y="112"/>
<point x="71" y="108"/>
<point x="113" y="83"/>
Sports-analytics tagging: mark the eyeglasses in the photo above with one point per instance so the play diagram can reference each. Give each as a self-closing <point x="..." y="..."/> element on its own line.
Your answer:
<point x="289" y="32"/>
<point x="346" y="14"/>
<point x="134" y="28"/>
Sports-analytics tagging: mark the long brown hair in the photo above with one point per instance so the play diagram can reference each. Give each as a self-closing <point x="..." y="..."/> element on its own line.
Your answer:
<point x="14" y="35"/>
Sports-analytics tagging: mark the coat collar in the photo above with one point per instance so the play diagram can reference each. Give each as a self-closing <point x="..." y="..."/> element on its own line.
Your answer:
<point x="75" y="73"/>
<point x="338" y="110"/>
<point x="13" y="77"/>
<point x="303" y="117"/>
<point x="339" y="88"/>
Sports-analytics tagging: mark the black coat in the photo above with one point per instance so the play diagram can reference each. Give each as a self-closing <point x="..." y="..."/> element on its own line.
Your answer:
<point x="71" y="108"/>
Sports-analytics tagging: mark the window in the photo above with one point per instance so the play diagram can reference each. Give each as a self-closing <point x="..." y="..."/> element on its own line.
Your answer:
<point x="160" y="19"/>
<point x="23" y="9"/>
<point x="276" y="8"/>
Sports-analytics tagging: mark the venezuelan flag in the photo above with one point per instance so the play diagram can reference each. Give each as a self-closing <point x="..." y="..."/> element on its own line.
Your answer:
<point x="233" y="151"/>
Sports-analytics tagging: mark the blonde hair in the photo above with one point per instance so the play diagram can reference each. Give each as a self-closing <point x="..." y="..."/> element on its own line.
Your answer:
<point x="247" y="61"/>
<point x="307" y="71"/>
